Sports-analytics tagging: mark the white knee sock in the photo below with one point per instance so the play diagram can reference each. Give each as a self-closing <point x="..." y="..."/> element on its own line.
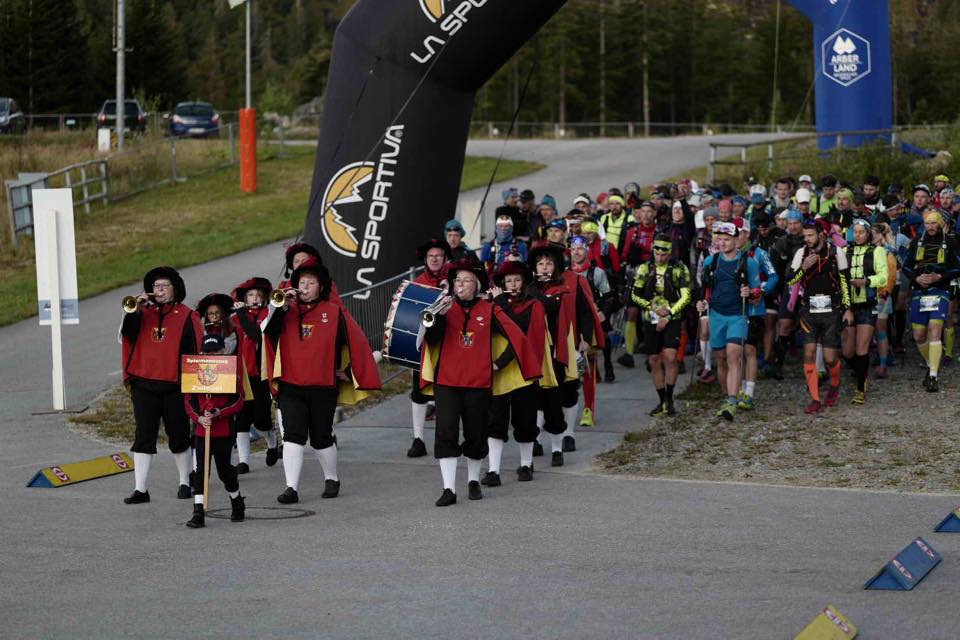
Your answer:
<point x="280" y="422"/>
<point x="540" y="422"/>
<point x="448" y="469"/>
<point x="292" y="462"/>
<point x="570" y="417"/>
<point x="496" y="453"/>
<point x="328" y="460"/>
<point x="233" y="494"/>
<point x="707" y="354"/>
<point x="271" y="438"/>
<point x="243" y="446"/>
<point x="198" y="498"/>
<point x="473" y="470"/>
<point x="184" y="466"/>
<point x="419" y="412"/>
<point x="556" y="442"/>
<point x="526" y="454"/>
<point x="141" y="469"/>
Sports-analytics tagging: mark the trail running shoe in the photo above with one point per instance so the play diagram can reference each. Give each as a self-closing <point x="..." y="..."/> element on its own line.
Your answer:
<point x="859" y="397"/>
<point x="659" y="410"/>
<point x="813" y="408"/>
<point x="727" y="411"/>
<point x="833" y="396"/>
<point x="586" y="420"/>
<point x="707" y="376"/>
<point x="745" y="402"/>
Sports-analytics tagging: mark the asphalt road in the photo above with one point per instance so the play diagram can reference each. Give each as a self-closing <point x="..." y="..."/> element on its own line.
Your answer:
<point x="573" y="554"/>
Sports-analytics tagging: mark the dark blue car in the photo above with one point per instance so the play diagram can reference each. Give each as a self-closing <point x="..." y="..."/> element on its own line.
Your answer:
<point x="195" y="120"/>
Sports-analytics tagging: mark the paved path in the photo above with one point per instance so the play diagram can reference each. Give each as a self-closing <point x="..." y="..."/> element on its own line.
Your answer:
<point x="571" y="555"/>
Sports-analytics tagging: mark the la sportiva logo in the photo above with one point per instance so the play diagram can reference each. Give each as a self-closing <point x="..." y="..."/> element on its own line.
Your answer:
<point x="450" y="16"/>
<point x="357" y="200"/>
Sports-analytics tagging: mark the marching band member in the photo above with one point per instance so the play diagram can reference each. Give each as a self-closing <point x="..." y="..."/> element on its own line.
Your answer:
<point x="252" y="311"/>
<point x="515" y="294"/>
<point x="296" y="255"/>
<point x="215" y="411"/>
<point x="317" y="355"/>
<point x="214" y="310"/>
<point x="561" y="295"/>
<point x="434" y="254"/>
<point x="461" y="368"/>
<point x="154" y="336"/>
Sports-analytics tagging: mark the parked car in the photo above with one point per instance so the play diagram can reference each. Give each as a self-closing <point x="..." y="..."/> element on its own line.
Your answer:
<point x="134" y="117"/>
<point x="12" y="119"/>
<point x="195" y="119"/>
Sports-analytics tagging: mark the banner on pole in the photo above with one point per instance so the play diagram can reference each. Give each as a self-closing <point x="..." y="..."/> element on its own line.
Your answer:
<point x="59" y="203"/>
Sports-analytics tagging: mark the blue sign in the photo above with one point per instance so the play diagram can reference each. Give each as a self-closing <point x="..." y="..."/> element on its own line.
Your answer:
<point x="950" y="524"/>
<point x="907" y="569"/>
<point x="854" y="81"/>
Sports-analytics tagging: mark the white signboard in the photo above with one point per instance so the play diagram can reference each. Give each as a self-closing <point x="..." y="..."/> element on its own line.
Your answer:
<point x="55" y="247"/>
<point x="104" y="141"/>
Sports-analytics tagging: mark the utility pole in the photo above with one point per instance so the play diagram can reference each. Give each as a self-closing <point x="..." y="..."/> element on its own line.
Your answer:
<point x="249" y="101"/>
<point x="121" y="111"/>
<point x="563" y="84"/>
<point x="603" y="67"/>
<point x="646" y="76"/>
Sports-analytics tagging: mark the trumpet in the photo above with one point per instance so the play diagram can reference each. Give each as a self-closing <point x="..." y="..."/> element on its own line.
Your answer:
<point x="428" y="317"/>
<point x="278" y="297"/>
<point x="131" y="304"/>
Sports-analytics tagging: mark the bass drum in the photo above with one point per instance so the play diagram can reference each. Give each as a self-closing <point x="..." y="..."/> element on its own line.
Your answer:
<point x="403" y="330"/>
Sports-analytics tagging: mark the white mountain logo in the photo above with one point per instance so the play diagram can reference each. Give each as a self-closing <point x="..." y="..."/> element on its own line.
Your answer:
<point x="842" y="46"/>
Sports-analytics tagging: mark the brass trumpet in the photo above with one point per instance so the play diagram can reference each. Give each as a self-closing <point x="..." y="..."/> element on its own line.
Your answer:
<point x="428" y="317"/>
<point x="278" y="297"/>
<point x="131" y="304"/>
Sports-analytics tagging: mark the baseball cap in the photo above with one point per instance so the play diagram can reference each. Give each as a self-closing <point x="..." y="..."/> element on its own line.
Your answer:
<point x="694" y="200"/>
<point x="581" y="199"/>
<point x="212" y="343"/>
<point x="922" y="187"/>
<point x="805" y="178"/>
<point x="725" y="228"/>
<point x="757" y="193"/>
<point x="804" y="195"/>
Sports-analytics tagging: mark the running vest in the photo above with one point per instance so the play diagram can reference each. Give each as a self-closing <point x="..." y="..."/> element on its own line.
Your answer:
<point x="614" y="230"/>
<point x="861" y="266"/>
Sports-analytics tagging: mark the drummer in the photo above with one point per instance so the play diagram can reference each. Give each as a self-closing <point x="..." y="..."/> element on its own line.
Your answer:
<point x="435" y="256"/>
<point x="460" y="367"/>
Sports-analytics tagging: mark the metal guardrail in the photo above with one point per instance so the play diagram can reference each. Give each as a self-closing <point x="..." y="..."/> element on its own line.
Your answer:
<point x="891" y="137"/>
<point x="114" y="177"/>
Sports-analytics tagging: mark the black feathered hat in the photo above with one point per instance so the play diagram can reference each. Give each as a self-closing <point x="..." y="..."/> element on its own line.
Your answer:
<point x="550" y="250"/>
<point x="316" y="268"/>
<point x="168" y="273"/>
<point x="240" y="291"/>
<point x="433" y="243"/>
<point x="513" y="267"/>
<point x="472" y="267"/>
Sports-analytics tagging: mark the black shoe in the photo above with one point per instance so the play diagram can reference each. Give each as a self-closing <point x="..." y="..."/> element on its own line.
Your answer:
<point x="331" y="489"/>
<point x="196" y="522"/>
<point x="417" y="450"/>
<point x="473" y="490"/>
<point x="238" y="508"/>
<point x="671" y="410"/>
<point x="447" y="498"/>
<point x="537" y="449"/>
<point x="289" y="496"/>
<point x="243" y="468"/>
<point x="926" y="382"/>
<point x="569" y="444"/>
<point x="272" y="456"/>
<point x="557" y="459"/>
<point x="524" y="474"/>
<point x="626" y="360"/>
<point x="137" y="497"/>
<point x="658" y="410"/>
<point x="608" y="375"/>
<point x="681" y="367"/>
<point x="934" y="385"/>
<point x="492" y="479"/>
<point x="183" y="492"/>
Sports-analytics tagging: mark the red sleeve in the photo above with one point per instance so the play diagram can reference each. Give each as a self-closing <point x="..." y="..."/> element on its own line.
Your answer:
<point x="625" y="252"/>
<point x="362" y="365"/>
<point x="189" y="407"/>
<point x="232" y="409"/>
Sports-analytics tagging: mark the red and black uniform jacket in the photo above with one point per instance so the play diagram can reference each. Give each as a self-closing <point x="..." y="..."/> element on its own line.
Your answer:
<point x="155" y="337"/>
<point x="228" y="405"/>
<point x="315" y="341"/>
<point x="432" y="279"/>
<point x="250" y="339"/>
<point x="587" y="325"/>
<point x="464" y="337"/>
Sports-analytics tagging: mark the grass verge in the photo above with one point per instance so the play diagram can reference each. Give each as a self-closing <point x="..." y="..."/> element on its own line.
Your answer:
<point x="181" y="225"/>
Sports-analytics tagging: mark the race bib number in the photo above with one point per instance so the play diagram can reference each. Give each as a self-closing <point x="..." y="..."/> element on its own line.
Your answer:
<point x="929" y="303"/>
<point x="821" y="304"/>
<point x="654" y="318"/>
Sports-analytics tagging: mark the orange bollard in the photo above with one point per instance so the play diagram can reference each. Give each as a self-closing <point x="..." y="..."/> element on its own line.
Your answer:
<point x="248" y="150"/>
